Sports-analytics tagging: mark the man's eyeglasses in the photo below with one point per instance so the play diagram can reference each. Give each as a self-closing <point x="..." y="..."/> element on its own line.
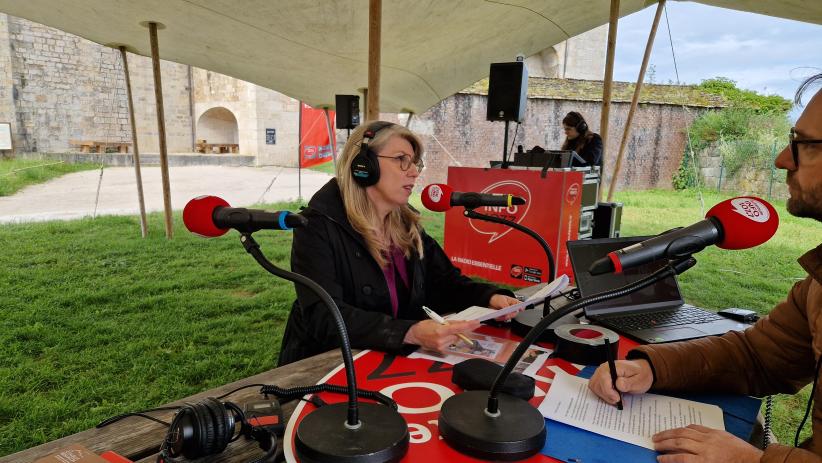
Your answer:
<point x="795" y="145"/>
<point x="406" y="161"/>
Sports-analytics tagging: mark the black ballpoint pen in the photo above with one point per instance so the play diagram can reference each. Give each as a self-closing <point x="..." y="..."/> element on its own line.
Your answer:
<point x="612" y="368"/>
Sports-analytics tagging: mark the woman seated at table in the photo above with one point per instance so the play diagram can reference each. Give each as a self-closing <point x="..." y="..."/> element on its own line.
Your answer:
<point x="583" y="140"/>
<point x="364" y="245"/>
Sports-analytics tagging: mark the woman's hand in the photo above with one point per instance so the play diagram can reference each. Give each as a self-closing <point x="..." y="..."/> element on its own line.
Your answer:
<point x="431" y="335"/>
<point x="633" y="376"/>
<point x="696" y="443"/>
<point x="501" y="301"/>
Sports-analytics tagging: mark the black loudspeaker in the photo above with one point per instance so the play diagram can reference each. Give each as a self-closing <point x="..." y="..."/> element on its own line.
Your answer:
<point x="507" y="91"/>
<point x="607" y="220"/>
<point x="348" y="111"/>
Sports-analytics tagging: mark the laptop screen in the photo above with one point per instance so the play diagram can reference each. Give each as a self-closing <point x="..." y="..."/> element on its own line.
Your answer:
<point x="584" y="252"/>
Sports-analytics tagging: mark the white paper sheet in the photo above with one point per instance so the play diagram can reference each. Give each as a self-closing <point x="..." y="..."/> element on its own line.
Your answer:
<point x="484" y="313"/>
<point x="570" y="401"/>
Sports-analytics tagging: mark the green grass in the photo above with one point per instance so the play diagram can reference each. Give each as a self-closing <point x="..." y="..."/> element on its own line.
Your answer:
<point x="97" y="321"/>
<point x="326" y="168"/>
<point x="16" y="174"/>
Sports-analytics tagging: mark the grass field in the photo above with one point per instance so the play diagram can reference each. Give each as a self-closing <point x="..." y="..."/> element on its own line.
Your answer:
<point x="16" y="174"/>
<point x="97" y="321"/>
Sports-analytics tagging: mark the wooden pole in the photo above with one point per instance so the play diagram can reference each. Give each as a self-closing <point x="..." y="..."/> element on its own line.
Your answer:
<point x="138" y="175"/>
<point x="161" y="127"/>
<point x="635" y="100"/>
<point x="606" y="88"/>
<point x="330" y="137"/>
<point x="374" y="32"/>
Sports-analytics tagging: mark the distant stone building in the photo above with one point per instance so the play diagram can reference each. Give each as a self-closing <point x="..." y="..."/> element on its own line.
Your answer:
<point x="57" y="88"/>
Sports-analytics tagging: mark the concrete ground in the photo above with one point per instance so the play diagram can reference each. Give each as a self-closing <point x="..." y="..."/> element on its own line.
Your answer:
<point x="74" y="195"/>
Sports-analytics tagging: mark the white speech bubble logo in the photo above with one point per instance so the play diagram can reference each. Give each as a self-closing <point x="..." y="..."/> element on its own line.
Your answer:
<point x="490" y="189"/>
<point x="751" y="209"/>
<point x="435" y="193"/>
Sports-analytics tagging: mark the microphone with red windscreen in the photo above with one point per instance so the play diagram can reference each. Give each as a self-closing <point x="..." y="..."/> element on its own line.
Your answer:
<point x="736" y="223"/>
<point x="210" y="216"/>
<point x="438" y="197"/>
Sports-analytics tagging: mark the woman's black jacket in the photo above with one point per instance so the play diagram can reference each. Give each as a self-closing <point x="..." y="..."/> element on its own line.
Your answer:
<point x="331" y="253"/>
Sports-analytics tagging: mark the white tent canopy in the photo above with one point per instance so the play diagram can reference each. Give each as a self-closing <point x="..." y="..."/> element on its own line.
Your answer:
<point x="314" y="49"/>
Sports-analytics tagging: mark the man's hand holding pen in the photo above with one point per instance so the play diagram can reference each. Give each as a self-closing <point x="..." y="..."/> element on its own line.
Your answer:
<point x="632" y="376"/>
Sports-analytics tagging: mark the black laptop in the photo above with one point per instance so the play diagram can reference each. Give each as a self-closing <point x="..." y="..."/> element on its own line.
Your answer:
<point x="655" y="314"/>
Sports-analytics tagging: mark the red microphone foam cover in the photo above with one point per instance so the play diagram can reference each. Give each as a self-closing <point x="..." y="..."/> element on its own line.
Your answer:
<point x="747" y="221"/>
<point x="197" y="216"/>
<point x="437" y="197"/>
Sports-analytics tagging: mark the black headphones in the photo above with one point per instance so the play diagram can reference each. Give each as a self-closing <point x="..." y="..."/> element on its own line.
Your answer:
<point x="365" y="167"/>
<point x="581" y="125"/>
<point x="206" y="428"/>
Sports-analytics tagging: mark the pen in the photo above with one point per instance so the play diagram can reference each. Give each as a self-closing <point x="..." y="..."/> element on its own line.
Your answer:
<point x="612" y="368"/>
<point x="437" y="318"/>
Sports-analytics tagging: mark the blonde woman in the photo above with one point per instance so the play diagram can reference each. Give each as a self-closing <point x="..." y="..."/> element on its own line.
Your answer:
<point x="364" y="244"/>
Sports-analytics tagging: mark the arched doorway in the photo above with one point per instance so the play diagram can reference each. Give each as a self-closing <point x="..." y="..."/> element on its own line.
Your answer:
<point x="217" y="132"/>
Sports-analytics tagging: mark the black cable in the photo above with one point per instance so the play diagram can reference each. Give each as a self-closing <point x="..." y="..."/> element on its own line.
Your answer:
<point x="141" y="414"/>
<point x="810" y="400"/>
<point x="286" y="395"/>
<point x="766" y="429"/>
<point x="238" y="389"/>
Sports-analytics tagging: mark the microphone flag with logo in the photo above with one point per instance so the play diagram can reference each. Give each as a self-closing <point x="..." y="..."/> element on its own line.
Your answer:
<point x="736" y="223"/>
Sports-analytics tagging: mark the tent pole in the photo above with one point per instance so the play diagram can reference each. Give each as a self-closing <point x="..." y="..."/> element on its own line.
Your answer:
<point x="408" y="121"/>
<point x="635" y="100"/>
<point x="606" y="88"/>
<point x="330" y="137"/>
<point x="137" y="174"/>
<point x="161" y="127"/>
<point x="374" y="32"/>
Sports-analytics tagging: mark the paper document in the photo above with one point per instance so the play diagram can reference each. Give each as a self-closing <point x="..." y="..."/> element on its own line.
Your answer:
<point x="570" y="401"/>
<point x="484" y="313"/>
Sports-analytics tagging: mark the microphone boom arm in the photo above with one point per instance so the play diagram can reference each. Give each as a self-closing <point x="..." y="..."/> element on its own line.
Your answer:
<point x="472" y="214"/>
<point x="673" y="268"/>
<point x="253" y="248"/>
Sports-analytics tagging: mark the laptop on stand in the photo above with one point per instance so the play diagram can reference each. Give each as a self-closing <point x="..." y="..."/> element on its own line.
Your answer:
<point x="656" y="314"/>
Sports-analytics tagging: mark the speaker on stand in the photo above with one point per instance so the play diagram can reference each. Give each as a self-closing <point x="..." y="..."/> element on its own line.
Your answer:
<point x="507" y="94"/>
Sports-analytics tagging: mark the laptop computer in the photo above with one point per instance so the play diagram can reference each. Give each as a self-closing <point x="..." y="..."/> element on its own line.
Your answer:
<point x="656" y="314"/>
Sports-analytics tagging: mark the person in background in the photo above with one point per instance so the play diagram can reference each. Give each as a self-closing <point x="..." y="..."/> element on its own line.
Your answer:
<point x="580" y="138"/>
<point x="780" y="354"/>
<point x="366" y="247"/>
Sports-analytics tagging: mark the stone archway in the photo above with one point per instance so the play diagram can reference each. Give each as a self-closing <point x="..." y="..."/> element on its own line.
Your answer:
<point x="217" y="131"/>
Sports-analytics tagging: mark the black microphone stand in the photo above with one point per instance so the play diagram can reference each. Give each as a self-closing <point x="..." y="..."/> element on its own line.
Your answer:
<point x="496" y="426"/>
<point x="350" y="432"/>
<point x="472" y="214"/>
<point x="526" y="320"/>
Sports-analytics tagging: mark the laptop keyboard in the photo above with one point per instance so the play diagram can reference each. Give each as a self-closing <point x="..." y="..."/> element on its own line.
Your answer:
<point x="686" y="315"/>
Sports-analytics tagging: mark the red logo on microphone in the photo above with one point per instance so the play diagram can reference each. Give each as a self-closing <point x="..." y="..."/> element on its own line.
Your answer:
<point x="513" y="213"/>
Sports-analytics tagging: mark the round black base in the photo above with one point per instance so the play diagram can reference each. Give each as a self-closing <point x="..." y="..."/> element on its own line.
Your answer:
<point x="517" y="433"/>
<point x="527" y="319"/>
<point x="322" y="436"/>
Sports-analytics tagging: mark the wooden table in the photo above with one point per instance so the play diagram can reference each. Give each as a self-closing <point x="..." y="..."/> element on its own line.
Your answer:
<point x="93" y="146"/>
<point x="217" y="148"/>
<point x="138" y="439"/>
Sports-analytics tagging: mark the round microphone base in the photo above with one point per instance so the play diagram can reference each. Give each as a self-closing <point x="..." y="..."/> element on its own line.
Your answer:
<point x="526" y="320"/>
<point x="515" y="434"/>
<point x="323" y="437"/>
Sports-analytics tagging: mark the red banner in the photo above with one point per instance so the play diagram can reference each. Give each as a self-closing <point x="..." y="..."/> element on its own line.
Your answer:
<point x="315" y="145"/>
<point x="500" y="253"/>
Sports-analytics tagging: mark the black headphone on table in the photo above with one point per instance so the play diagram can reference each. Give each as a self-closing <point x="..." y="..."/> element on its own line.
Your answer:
<point x="206" y="428"/>
<point x="365" y="167"/>
<point x="581" y="126"/>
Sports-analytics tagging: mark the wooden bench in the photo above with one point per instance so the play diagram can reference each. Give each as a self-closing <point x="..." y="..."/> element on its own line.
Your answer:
<point x="94" y="146"/>
<point x="217" y="148"/>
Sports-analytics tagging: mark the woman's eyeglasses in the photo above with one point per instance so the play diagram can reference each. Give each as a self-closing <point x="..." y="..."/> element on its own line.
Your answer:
<point x="795" y="145"/>
<point x="406" y="161"/>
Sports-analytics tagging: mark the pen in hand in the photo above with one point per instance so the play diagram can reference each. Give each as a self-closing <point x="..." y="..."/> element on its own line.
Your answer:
<point x="612" y="368"/>
<point x="437" y="318"/>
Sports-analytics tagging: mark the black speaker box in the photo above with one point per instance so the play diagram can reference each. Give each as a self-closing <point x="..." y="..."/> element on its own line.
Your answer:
<point x="507" y="91"/>
<point x="348" y="111"/>
<point x="607" y="220"/>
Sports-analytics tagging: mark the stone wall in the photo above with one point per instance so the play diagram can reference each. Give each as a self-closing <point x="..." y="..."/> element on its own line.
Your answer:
<point x="455" y="132"/>
<point x="759" y="180"/>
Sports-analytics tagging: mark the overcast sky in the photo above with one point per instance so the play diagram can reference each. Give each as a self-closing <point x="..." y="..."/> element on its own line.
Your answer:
<point x="761" y="53"/>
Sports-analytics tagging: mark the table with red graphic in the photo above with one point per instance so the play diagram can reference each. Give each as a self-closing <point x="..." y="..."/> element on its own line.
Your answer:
<point x="418" y="386"/>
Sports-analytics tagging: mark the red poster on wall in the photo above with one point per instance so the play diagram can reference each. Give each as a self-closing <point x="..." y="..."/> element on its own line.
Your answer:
<point x="499" y="253"/>
<point x="316" y="147"/>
